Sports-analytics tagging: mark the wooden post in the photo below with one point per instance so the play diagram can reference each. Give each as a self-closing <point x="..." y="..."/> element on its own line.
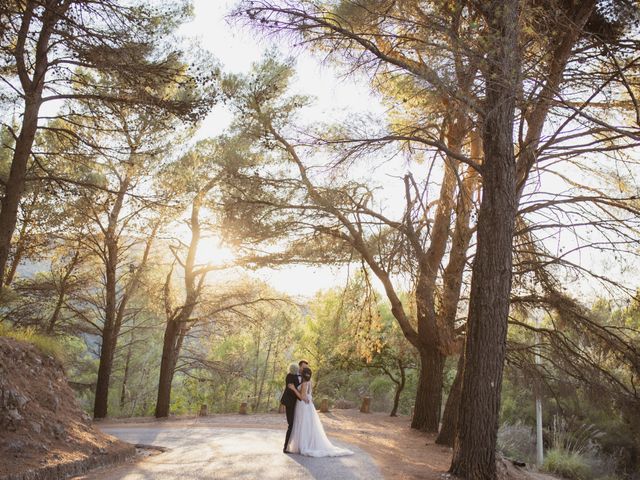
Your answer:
<point x="281" y="408"/>
<point x="203" y="410"/>
<point x="366" y="403"/>
<point x="243" y="408"/>
<point x="324" y="405"/>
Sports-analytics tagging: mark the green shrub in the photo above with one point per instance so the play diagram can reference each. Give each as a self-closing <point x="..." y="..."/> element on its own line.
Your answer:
<point x="46" y="344"/>
<point x="571" y="465"/>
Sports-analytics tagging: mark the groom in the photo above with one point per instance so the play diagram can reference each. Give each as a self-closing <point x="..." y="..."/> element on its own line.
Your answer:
<point x="290" y="395"/>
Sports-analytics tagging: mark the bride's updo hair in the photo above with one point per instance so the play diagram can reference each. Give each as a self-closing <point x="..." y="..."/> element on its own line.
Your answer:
<point x="306" y="374"/>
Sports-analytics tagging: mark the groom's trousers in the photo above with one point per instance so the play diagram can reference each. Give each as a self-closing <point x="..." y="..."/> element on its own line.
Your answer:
<point x="290" y="410"/>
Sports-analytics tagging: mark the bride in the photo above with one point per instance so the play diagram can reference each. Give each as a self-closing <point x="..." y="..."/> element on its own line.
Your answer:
<point x="307" y="436"/>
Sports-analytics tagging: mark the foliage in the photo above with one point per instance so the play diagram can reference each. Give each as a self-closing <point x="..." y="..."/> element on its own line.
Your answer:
<point x="568" y="464"/>
<point x="54" y="346"/>
<point x="120" y="162"/>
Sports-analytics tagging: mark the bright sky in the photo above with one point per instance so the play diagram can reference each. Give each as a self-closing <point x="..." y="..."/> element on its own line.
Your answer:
<point x="237" y="47"/>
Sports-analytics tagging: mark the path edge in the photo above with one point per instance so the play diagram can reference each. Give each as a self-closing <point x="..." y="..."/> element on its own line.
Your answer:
<point x="120" y="454"/>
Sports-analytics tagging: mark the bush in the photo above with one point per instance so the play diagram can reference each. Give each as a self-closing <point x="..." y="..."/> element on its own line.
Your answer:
<point x="46" y="344"/>
<point x="571" y="465"/>
<point x="517" y="441"/>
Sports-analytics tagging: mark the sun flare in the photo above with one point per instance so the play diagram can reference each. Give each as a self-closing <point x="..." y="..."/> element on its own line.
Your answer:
<point x="212" y="252"/>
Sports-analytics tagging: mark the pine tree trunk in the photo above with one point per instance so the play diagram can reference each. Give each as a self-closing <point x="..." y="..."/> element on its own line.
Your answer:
<point x="107" y="351"/>
<point x="16" y="182"/>
<point x="110" y="333"/>
<point x="447" y="433"/>
<point x="474" y="451"/>
<point x="178" y="326"/>
<point x="33" y="87"/>
<point x="167" y="369"/>
<point x="428" y="402"/>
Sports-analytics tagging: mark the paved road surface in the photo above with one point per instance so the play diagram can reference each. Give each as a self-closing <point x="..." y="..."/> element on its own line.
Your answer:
<point x="229" y="453"/>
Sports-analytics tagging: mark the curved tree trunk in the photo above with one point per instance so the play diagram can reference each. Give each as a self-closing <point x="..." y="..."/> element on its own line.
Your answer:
<point x="178" y="321"/>
<point x="399" y="388"/>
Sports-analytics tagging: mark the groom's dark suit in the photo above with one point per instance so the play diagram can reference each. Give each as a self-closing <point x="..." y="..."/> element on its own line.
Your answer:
<point x="289" y="401"/>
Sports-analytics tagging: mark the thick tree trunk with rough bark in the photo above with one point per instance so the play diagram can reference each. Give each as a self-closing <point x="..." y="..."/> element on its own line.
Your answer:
<point x="110" y="333"/>
<point x="474" y="452"/>
<point x="105" y="366"/>
<point x="16" y="182"/>
<point x="429" y="394"/>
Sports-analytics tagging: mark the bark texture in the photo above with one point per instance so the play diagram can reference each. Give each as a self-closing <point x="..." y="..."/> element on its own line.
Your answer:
<point x="474" y="451"/>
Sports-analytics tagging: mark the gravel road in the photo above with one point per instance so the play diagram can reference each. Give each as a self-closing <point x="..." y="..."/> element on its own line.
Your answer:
<point x="201" y="452"/>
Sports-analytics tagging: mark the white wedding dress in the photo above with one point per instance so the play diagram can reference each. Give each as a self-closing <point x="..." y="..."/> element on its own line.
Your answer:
<point x="307" y="435"/>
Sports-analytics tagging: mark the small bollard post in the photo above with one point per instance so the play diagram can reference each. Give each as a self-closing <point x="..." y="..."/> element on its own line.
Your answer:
<point x="324" y="405"/>
<point x="281" y="408"/>
<point x="243" y="408"/>
<point x="366" y="403"/>
<point x="203" y="410"/>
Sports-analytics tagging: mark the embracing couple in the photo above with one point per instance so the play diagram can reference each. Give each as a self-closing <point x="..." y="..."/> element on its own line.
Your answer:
<point x="305" y="434"/>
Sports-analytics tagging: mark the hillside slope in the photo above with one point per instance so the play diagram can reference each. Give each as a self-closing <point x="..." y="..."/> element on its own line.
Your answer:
<point x="42" y="427"/>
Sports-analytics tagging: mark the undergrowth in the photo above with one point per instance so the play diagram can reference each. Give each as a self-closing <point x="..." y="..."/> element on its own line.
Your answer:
<point x="48" y="345"/>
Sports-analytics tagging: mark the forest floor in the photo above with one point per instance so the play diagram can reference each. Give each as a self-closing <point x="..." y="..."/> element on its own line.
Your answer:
<point x="399" y="452"/>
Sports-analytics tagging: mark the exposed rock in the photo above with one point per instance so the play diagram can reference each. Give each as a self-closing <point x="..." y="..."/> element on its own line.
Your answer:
<point x="13" y="414"/>
<point x="16" y="446"/>
<point x="35" y="426"/>
<point x="11" y="420"/>
<point x="19" y="400"/>
<point x="53" y="403"/>
<point x="57" y="430"/>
